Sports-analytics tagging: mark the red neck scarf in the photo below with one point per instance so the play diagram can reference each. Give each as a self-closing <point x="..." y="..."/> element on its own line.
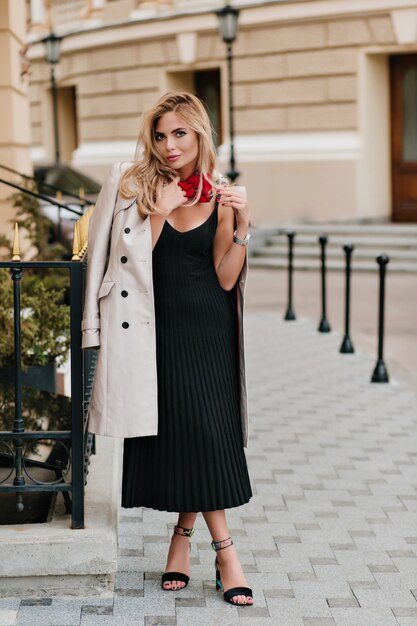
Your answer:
<point x="190" y="186"/>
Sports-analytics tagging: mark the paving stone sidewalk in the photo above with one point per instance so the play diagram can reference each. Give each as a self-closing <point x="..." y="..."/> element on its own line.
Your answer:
<point x="330" y="536"/>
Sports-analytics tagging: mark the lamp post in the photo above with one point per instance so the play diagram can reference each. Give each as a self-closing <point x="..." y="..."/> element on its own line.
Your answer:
<point x="52" y="52"/>
<point x="228" y="18"/>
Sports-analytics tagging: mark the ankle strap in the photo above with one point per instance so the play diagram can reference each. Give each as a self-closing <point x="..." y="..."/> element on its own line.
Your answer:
<point x="218" y="545"/>
<point x="185" y="532"/>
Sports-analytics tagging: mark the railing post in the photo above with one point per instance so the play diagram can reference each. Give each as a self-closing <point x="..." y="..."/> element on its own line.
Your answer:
<point x="347" y="346"/>
<point x="81" y="195"/>
<point x="290" y="315"/>
<point x="18" y="424"/>
<point x="324" y="326"/>
<point x="380" y="374"/>
<point x="77" y="396"/>
<point x="58" y="197"/>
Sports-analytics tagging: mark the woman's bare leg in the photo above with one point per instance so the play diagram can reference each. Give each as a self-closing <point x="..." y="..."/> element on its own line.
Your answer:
<point x="230" y="568"/>
<point x="179" y="552"/>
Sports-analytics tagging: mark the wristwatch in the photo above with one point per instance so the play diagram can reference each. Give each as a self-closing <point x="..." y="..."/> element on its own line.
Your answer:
<point x="241" y="242"/>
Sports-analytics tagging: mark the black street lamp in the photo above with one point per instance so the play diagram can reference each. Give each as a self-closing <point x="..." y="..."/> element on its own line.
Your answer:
<point x="228" y="18"/>
<point x="52" y="52"/>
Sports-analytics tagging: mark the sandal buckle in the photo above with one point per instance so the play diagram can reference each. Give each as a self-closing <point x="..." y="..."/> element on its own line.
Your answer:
<point x="184" y="532"/>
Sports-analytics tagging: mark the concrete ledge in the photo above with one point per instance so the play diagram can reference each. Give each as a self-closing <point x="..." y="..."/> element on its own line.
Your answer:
<point x="52" y="559"/>
<point x="47" y="586"/>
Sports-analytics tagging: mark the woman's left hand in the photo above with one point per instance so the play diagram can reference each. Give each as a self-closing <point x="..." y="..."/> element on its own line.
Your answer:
<point x="235" y="197"/>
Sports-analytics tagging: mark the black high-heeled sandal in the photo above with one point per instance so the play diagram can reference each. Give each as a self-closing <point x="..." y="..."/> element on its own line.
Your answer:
<point x="170" y="576"/>
<point x="234" y="591"/>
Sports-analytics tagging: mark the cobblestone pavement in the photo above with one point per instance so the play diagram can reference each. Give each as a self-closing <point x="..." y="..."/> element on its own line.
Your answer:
<point x="330" y="536"/>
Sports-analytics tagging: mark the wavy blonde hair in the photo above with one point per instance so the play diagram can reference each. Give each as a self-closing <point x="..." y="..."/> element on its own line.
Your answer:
<point x="149" y="173"/>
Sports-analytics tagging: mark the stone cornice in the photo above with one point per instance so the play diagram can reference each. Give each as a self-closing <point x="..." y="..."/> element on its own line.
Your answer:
<point x="155" y="24"/>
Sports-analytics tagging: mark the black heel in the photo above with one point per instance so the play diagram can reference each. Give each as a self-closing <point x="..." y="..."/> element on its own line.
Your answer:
<point x="235" y="591"/>
<point x="170" y="576"/>
<point x="219" y="586"/>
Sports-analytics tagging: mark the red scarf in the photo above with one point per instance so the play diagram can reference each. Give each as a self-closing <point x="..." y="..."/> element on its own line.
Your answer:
<point x="190" y="186"/>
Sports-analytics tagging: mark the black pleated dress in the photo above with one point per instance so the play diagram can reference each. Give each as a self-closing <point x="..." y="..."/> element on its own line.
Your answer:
<point x="196" y="462"/>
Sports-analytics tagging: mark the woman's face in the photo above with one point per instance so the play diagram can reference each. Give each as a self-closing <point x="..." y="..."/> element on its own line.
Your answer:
<point x="177" y="144"/>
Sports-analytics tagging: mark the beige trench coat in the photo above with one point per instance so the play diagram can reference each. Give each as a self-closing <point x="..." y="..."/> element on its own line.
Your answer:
<point x="119" y="317"/>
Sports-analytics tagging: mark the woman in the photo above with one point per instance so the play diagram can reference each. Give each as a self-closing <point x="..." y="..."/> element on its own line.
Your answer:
<point x="167" y="313"/>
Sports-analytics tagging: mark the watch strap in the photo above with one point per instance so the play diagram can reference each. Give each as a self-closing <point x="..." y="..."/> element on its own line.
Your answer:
<point x="241" y="242"/>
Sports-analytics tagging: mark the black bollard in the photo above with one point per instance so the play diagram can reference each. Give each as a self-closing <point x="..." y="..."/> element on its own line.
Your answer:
<point x="380" y="374"/>
<point x="347" y="346"/>
<point x="290" y="315"/>
<point x="324" y="326"/>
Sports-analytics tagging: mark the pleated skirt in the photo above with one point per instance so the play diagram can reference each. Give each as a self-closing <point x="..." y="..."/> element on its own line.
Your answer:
<point x="196" y="462"/>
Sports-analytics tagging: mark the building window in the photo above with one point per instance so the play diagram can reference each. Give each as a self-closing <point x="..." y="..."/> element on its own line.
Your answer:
<point x="207" y="87"/>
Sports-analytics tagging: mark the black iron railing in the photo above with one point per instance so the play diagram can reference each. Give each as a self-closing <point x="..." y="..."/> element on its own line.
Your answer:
<point x="83" y="203"/>
<point x="41" y="196"/>
<point x="72" y="448"/>
<point x="54" y="188"/>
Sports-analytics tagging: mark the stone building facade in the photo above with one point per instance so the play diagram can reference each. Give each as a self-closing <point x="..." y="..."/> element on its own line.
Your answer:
<point x="314" y="87"/>
<point x="14" y="103"/>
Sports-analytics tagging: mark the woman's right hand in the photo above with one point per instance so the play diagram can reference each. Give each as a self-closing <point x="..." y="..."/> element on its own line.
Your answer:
<point x="171" y="197"/>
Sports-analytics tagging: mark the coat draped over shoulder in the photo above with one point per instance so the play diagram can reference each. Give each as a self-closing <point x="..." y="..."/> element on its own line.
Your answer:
<point x="119" y="318"/>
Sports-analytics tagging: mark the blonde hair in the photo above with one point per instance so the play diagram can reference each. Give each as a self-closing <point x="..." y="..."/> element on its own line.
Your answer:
<point x="149" y="173"/>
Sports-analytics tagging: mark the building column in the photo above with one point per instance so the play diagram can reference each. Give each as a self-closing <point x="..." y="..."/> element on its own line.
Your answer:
<point x="37" y="12"/>
<point x="14" y="103"/>
<point x="95" y="7"/>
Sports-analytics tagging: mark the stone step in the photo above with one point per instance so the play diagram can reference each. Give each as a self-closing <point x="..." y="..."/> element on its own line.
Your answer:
<point x="352" y="229"/>
<point x="333" y="264"/>
<point x="340" y="240"/>
<point x="306" y="252"/>
<point x="50" y="559"/>
<point x="269" y="246"/>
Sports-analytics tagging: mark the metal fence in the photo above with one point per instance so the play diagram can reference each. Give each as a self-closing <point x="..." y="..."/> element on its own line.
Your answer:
<point x="69" y="457"/>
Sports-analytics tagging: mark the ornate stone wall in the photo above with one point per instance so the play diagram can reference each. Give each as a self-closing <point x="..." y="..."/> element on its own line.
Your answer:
<point x="303" y="104"/>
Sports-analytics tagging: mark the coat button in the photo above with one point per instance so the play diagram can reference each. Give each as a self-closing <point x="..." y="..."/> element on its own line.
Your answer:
<point x="125" y="325"/>
<point x="127" y="230"/>
<point x="124" y="293"/>
<point x="124" y="259"/>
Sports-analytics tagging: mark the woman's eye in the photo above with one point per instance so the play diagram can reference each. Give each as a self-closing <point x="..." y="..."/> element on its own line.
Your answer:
<point x="158" y="137"/>
<point x="181" y="133"/>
